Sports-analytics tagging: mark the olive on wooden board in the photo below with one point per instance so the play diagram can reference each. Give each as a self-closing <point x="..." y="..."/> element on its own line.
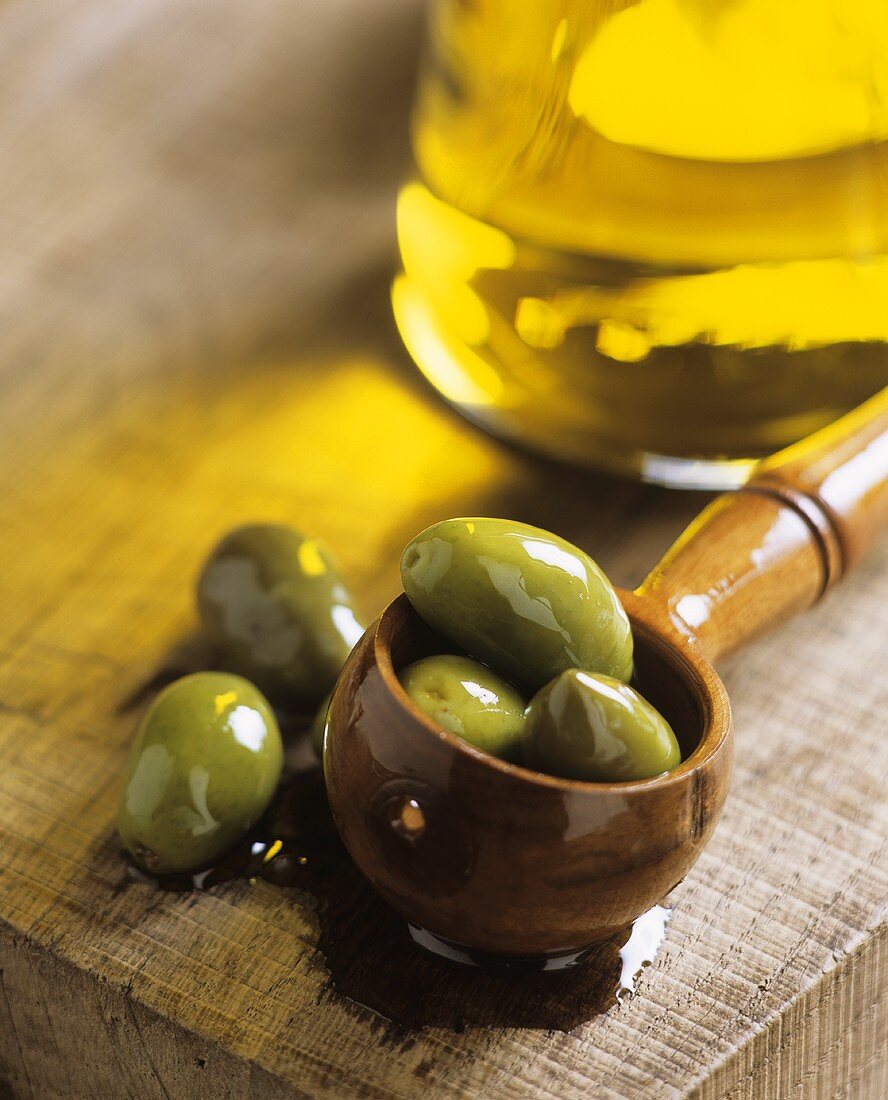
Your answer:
<point x="201" y="771"/>
<point x="275" y="605"/>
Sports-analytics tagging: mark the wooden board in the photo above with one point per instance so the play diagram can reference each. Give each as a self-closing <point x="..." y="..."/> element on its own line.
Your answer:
<point x="196" y="227"/>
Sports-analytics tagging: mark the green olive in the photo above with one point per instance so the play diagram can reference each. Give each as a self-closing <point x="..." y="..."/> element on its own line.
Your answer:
<point x="469" y="700"/>
<point x="583" y="726"/>
<point x="275" y="604"/>
<point x="319" y="728"/>
<point x="520" y="599"/>
<point x="201" y="771"/>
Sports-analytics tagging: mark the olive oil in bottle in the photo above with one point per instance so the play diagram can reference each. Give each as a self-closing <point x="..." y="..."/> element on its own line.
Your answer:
<point x="651" y="236"/>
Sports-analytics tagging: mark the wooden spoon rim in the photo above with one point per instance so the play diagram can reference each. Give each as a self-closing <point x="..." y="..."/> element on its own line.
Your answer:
<point x="706" y="687"/>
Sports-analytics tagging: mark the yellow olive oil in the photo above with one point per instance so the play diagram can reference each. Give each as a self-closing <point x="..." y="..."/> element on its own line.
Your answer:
<point x="651" y="235"/>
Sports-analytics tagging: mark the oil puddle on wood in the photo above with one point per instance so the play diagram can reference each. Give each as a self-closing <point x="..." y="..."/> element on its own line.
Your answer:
<point x="374" y="960"/>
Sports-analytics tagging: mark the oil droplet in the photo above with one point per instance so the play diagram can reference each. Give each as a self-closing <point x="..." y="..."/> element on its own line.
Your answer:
<point x="641" y="948"/>
<point x="273" y="851"/>
<point x="280" y="860"/>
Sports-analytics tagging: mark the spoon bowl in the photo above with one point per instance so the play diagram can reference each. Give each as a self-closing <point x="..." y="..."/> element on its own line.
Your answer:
<point x="492" y="857"/>
<point x="484" y="856"/>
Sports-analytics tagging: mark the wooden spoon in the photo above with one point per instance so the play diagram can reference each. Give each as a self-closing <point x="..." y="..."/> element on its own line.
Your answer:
<point x="482" y="855"/>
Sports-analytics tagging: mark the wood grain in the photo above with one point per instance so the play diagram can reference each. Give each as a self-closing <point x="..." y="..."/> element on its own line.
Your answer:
<point x="195" y="217"/>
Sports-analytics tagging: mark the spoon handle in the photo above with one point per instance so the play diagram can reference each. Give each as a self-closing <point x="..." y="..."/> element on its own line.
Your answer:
<point x="756" y="556"/>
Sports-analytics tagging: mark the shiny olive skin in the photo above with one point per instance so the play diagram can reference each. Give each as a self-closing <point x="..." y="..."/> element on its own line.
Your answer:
<point x="469" y="700"/>
<point x="273" y="602"/>
<point x="201" y="771"/>
<point x="522" y="600"/>
<point x="582" y="726"/>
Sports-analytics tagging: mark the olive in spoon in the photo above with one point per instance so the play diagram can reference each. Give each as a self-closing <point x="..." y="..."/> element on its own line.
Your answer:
<point x="481" y="855"/>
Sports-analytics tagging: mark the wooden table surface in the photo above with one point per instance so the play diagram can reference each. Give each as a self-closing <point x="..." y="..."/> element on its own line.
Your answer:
<point x="195" y="244"/>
